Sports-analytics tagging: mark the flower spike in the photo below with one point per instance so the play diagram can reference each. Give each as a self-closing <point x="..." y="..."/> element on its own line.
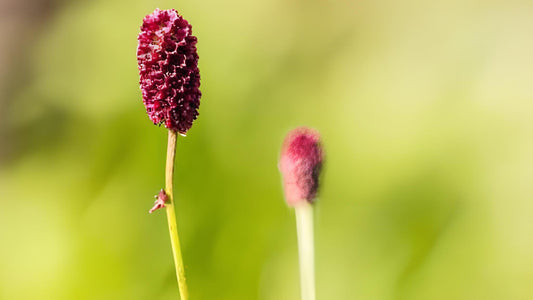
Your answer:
<point x="168" y="68"/>
<point x="300" y="164"/>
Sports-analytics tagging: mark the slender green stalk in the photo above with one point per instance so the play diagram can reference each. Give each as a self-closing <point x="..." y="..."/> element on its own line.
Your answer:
<point x="306" y="249"/>
<point x="171" y="215"/>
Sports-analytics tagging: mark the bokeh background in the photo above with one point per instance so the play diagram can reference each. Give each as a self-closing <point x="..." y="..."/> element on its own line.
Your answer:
<point x="426" y="112"/>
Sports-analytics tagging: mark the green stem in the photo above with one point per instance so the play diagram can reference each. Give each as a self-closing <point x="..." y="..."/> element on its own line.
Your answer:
<point x="306" y="249"/>
<point x="171" y="215"/>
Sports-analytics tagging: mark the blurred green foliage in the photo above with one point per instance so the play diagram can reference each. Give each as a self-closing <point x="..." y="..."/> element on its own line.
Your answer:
<point x="425" y="108"/>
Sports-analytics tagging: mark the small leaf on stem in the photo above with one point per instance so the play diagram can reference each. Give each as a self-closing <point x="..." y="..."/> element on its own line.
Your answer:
<point x="160" y="201"/>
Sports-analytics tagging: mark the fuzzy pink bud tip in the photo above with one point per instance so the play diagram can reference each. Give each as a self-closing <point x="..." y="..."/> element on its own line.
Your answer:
<point x="168" y="68"/>
<point x="300" y="164"/>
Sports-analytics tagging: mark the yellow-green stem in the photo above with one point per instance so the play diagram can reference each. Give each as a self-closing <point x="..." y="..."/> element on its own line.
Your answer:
<point x="306" y="249"/>
<point x="171" y="216"/>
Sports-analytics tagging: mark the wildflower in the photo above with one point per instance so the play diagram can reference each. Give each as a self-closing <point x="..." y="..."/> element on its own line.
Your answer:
<point x="300" y="164"/>
<point x="168" y="68"/>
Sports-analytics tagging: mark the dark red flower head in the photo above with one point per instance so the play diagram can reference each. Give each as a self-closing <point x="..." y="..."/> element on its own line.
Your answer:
<point x="168" y="67"/>
<point x="300" y="164"/>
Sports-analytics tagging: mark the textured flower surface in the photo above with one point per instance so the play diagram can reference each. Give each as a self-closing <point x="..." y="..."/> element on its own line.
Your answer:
<point x="300" y="164"/>
<point x="168" y="68"/>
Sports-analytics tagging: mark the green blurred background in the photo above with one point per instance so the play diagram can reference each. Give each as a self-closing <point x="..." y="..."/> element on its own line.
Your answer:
<point x="426" y="112"/>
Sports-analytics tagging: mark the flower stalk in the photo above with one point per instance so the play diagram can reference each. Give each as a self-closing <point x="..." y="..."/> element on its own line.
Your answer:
<point x="300" y="164"/>
<point x="169" y="79"/>
<point x="306" y="249"/>
<point x="171" y="215"/>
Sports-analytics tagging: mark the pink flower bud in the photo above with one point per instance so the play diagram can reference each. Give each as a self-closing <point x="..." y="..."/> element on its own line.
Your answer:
<point x="168" y="68"/>
<point x="300" y="164"/>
